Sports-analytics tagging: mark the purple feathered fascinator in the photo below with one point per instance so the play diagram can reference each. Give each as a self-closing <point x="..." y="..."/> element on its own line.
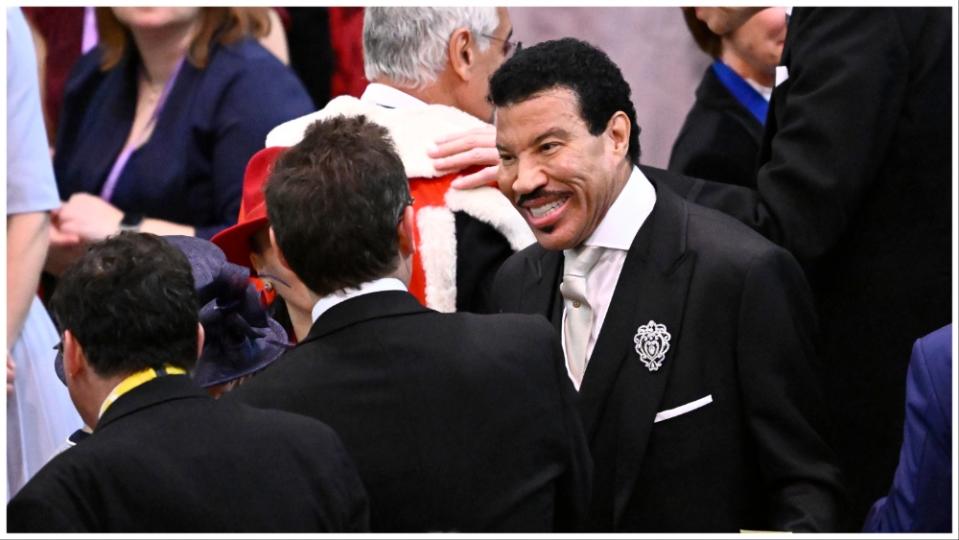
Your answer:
<point x="241" y="338"/>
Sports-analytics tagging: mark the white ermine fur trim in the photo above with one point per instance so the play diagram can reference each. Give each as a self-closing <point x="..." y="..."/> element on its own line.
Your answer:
<point x="490" y="206"/>
<point x="413" y="129"/>
<point x="437" y="228"/>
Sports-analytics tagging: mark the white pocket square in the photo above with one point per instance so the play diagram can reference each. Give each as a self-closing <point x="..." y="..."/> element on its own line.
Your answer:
<point x="683" y="409"/>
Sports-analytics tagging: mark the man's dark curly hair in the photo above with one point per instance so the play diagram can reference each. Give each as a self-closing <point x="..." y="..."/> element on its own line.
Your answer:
<point x="131" y="304"/>
<point x="334" y="201"/>
<point x="578" y="66"/>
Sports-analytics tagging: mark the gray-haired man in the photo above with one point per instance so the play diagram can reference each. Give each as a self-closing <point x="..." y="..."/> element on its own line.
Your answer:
<point x="430" y="70"/>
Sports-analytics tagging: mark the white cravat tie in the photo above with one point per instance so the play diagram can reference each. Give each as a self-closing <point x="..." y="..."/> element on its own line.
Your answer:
<point x="579" y="314"/>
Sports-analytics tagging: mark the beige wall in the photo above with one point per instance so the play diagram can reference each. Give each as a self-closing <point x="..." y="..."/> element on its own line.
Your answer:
<point x="650" y="44"/>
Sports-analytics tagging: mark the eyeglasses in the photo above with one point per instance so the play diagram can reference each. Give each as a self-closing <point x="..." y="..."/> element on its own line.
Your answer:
<point x="510" y="47"/>
<point x="58" y="362"/>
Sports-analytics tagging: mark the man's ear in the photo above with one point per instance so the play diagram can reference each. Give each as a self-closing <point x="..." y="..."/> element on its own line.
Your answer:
<point x="74" y="358"/>
<point x="617" y="131"/>
<point x="404" y="232"/>
<point x="256" y="262"/>
<point x="200" y="339"/>
<point x="279" y="252"/>
<point x="460" y="52"/>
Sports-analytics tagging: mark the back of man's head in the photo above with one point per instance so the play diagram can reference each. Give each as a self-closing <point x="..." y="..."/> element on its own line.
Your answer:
<point x="408" y="45"/>
<point x="334" y="201"/>
<point x="569" y="63"/>
<point x="130" y="303"/>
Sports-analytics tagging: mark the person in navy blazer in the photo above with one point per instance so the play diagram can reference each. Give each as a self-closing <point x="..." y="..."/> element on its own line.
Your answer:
<point x="185" y="173"/>
<point x="716" y="428"/>
<point x="920" y="499"/>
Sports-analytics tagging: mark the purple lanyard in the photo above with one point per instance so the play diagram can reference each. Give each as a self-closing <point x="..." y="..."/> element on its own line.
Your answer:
<point x="107" y="192"/>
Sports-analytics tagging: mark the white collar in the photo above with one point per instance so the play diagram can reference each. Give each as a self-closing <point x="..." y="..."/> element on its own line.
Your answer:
<point x="387" y="96"/>
<point x="626" y="215"/>
<point x="377" y="285"/>
<point x="765" y="91"/>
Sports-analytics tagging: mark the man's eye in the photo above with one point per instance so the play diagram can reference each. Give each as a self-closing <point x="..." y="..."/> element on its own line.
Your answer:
<point x="546" y="147"/>
<point x="506" y="158"/>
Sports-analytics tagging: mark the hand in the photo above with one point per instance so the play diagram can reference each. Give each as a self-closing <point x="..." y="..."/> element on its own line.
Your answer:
<point x="89" y="217"/>
<point x="11" y="373"/>
<point x="64" y="248"/>
<point x="476" y="147"/>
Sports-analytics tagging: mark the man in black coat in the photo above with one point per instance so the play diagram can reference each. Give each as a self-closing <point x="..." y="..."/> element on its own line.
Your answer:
<point x="457" y="422"/>
<point x="163" y="455"/>
<point x="855" y="181"/>
<point x="694" y="359"/>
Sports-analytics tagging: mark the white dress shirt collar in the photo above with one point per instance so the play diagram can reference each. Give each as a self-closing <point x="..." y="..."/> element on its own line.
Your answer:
<point x="378" y="285"/>
<point x="626" y="215"/>
<point x="387" y="96"/>
<point x="765" y="91"/>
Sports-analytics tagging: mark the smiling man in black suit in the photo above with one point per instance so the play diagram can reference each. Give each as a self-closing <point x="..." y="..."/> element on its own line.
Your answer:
<point x="687" y="334"/>
<point x="457" y="422"/>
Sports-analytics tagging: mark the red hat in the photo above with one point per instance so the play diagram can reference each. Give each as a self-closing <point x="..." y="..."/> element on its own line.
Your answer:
<point x="235" y="240"/>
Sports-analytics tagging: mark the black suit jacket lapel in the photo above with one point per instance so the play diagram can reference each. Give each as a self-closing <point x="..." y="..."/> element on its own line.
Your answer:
<point x="652" y="287"/>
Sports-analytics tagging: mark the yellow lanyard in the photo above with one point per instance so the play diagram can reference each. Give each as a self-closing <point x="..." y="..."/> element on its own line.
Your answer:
<point x="137" y="379"/>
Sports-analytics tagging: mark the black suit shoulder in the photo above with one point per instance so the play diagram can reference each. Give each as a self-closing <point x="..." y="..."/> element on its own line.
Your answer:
<point x="719" y="139"/>
<point x="158" y="468"/>
<point x="425" y="402"/>
<point x="480" y="250"/>
<point x="725" y="240"/>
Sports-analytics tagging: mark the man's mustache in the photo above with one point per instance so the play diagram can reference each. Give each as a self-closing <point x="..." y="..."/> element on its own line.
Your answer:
<point x="540" y="192"/>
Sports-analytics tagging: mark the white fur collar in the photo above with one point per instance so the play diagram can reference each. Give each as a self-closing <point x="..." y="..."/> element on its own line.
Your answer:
<point x="413" y="129"/>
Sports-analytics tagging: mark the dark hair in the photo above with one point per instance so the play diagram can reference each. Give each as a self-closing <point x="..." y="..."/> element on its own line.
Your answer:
<point x="707" y="41"/>
<point x="223" y="25"/>
<point x="130" y="302"/>
<point x="569" y="63"/>
<point x="334" y="201"/>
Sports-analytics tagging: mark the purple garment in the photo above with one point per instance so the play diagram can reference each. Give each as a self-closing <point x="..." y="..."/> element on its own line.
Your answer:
<point x="90" y="35"/>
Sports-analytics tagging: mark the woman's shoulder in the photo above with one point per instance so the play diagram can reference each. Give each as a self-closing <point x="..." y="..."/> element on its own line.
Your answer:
<point x="85" y="71"/>
<point x="245" y="70"/>
<point x="247" y="56"/>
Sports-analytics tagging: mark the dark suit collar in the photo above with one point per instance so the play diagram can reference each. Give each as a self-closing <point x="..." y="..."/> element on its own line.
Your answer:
<point x="150" y="393"/>
<point x="662" y="239"/>
<point x="363" y="308"/>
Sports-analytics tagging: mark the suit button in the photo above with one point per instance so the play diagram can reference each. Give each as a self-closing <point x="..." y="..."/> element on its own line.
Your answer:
<point x="576" y="304"/>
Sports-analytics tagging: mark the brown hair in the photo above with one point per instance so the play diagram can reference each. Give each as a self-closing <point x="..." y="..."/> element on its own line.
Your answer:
<point x="334" y="201"/>
<point x="222" y="25"/>
<point x="709" y="42"/>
